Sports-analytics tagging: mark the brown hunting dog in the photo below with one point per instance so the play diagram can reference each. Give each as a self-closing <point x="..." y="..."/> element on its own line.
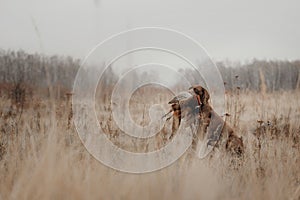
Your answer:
<point x="195" y="105"/>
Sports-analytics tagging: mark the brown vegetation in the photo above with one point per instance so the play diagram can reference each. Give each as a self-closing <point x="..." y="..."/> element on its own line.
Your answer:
<point x="41" y="156"/>
<point x="45" y="159"/>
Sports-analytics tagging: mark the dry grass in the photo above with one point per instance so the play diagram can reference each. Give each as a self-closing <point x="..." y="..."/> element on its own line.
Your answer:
<point x="41" y="157"/>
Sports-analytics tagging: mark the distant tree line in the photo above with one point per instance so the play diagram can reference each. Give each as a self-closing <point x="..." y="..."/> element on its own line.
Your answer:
<point x="22" y="71"/>
<point x="39" y="71"/>
<point x="262" y="75"/>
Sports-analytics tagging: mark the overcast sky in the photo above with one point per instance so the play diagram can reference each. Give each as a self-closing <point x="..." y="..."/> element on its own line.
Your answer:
<point x="234" y="29"/>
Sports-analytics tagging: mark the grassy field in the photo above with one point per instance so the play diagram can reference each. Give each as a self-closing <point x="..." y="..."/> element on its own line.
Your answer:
<point x="42" y="157"/>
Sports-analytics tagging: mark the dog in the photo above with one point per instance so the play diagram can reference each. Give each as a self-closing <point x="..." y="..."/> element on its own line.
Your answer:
<point x="195" y="104"/>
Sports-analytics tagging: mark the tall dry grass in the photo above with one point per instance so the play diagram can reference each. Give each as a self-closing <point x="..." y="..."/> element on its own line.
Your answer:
<point x="41" y="156"/>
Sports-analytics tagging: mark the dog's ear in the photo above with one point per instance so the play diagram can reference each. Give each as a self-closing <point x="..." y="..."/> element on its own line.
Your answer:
<point x="204" y="96"/>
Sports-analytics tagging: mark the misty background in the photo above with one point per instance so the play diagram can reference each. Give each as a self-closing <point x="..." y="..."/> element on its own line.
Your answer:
<point x="255" y="44"/>
<point x="229" y="29"/>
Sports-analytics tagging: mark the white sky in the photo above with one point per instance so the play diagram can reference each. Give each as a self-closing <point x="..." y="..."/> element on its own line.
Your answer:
<point x="234" y="29"/>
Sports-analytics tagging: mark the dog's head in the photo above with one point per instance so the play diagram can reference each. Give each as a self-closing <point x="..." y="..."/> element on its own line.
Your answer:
<point x="202" y="93"/>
